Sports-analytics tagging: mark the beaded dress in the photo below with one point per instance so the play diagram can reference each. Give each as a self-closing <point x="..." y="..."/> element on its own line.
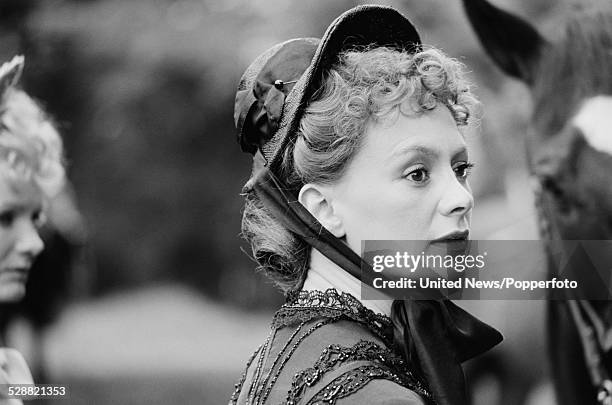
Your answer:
<point x="327" y="348"/>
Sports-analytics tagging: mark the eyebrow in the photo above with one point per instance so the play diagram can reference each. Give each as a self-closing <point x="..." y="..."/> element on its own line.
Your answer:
<point x="431" y="153"/>
<point x="20" y="206"/>
<point x="5" y="205"/>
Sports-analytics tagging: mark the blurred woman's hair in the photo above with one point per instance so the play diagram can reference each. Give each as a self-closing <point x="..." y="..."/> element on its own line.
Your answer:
<point x="31" y="148"/>
<point x="365" y="86"/>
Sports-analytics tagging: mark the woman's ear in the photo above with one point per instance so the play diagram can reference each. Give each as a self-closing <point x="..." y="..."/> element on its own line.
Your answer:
<point x="317" y="201"/>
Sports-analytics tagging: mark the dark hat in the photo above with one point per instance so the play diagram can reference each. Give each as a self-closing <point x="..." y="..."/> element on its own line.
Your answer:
<point x="275" y="89"/>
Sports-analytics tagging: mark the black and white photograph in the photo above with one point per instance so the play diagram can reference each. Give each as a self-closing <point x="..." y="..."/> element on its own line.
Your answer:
<point x="253" y="202"/>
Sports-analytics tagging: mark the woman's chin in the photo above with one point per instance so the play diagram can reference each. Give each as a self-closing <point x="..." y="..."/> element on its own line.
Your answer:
<point x="12" y="291"/>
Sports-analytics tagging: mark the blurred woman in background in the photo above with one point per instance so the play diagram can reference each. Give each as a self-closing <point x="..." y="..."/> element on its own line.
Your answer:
<point x="31" y="173"/>
<point x="355" y="137"/>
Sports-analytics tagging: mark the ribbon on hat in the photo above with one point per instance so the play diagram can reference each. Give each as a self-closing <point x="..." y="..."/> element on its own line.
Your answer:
<point x="261" y="94"/>
<point x="272" y="101"/>
<point x="260" y="113"/>
<point x="434" y="336"/>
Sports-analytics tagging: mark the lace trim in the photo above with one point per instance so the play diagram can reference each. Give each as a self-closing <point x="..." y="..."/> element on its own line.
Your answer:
<point x="352" y="381"/>
<point x="388" y="366"/>
<point x="304" y="306"/>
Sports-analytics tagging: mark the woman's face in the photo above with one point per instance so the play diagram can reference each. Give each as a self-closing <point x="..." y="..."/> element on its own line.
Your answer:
<point x="408" y="181"/>
<point x="20" y="212"/>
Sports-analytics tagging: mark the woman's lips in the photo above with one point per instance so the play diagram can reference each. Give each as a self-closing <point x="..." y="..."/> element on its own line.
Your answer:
<point x="18" y="272"/>
<point x="454" y="243"/>
<point x="453" y="236"/>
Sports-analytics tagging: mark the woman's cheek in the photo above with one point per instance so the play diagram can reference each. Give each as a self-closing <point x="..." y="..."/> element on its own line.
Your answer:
<point x="5" y="245"/>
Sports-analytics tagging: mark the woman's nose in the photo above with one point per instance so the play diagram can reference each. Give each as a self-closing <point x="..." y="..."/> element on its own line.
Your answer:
<point x="29" y="242"/>
<point x="457" y="199"/>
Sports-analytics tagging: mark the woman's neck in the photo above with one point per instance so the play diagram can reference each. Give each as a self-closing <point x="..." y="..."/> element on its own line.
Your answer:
<point x="324" y="274"/>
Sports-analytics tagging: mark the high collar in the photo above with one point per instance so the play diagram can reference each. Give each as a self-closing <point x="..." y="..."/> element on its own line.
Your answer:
<point x="304" y="306"/>
<point x="324" y="274"/>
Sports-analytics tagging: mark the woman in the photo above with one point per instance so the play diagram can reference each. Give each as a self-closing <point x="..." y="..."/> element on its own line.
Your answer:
<point x="355" y="137"/>
<point x="31" y="172"/>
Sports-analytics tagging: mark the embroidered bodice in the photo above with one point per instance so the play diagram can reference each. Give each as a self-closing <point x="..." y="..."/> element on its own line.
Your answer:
<point x="322" y="347"/>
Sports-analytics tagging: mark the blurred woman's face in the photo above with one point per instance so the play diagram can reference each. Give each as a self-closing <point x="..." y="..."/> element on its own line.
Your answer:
<point x="408" y="181"/>
<point x="20" y="243"/>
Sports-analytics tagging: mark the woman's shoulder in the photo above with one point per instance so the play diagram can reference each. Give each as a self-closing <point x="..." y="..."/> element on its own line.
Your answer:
<point x="367" y="383"/>
<point x="364" y="372"/>
<point x="324" y="348"/>
<point x="383" y="392"/>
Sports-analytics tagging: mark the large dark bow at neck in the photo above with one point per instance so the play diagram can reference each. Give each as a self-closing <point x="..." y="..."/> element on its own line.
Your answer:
<point x="434" y="336"/>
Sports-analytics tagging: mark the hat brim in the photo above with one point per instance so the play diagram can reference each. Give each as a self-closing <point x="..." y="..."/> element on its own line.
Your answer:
<point x="368" y="25"/>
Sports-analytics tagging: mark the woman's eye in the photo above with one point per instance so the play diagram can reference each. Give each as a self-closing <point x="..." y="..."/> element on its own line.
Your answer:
<point x="7" y="218"/>
<point x="39" y="219"/>
<point x="463" y="170"/>
<point x="419" y="175"/>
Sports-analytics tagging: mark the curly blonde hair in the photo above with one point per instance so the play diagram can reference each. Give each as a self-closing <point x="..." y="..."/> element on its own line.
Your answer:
<point x="365" y="85"/>
<point x="30" y="145"/>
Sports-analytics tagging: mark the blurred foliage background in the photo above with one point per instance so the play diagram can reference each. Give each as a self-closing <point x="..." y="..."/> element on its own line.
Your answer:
<point x="143" y="92"/>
